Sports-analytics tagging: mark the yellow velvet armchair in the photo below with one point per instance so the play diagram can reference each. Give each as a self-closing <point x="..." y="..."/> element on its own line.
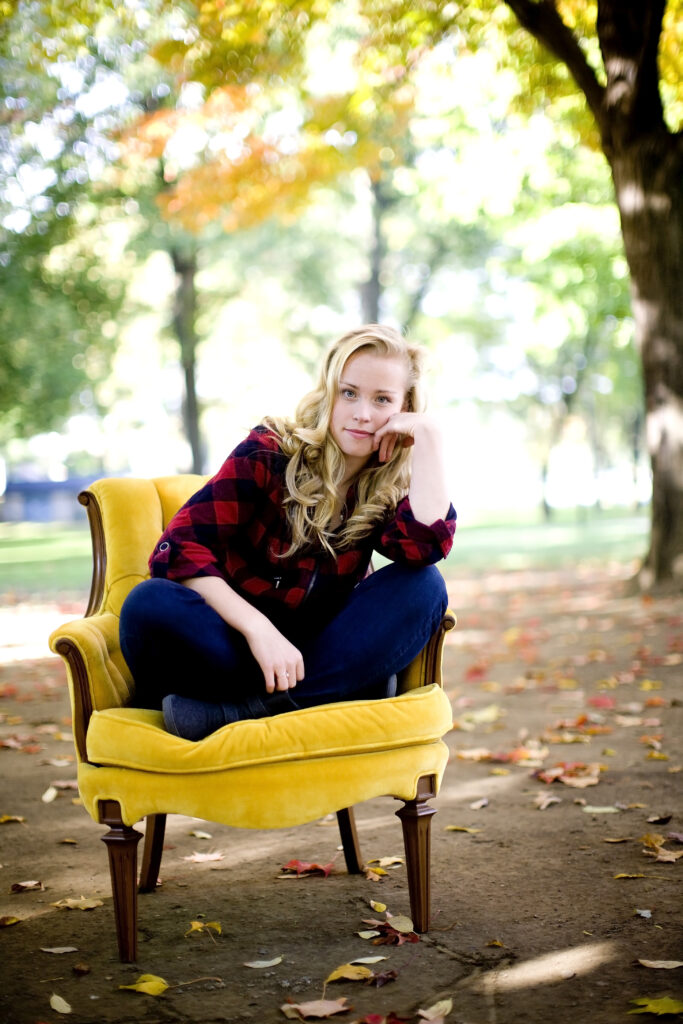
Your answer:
<point x="270" y="773"/>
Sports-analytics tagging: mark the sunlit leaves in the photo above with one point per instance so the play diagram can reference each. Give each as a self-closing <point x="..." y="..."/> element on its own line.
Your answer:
<point x="659" y="1007"/>
<point x="148" y="984"/>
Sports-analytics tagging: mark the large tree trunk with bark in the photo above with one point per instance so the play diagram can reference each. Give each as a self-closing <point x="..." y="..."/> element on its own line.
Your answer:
<point x="648" y="178"/>
<point x="646" y="160"/>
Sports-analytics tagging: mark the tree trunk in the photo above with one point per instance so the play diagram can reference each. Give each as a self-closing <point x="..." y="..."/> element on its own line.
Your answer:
<point x="371" y="290"/>
<point x="646" y="160"/>
<point x="648" y="178"/>
<point x="184" y="312"/>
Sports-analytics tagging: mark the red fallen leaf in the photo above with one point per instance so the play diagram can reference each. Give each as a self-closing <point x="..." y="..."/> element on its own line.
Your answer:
<point x="478" y="670"/>
<point x="8" y="690"/>
<point x="316" y="1008"/>
<point x="390" y="936"/>
<point x="301" y="868"/>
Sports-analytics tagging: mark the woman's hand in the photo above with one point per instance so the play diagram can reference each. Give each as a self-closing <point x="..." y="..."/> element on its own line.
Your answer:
<point x="279" y="660"/>
<point x="428" y="491"/>
<point x="399" y="429"/>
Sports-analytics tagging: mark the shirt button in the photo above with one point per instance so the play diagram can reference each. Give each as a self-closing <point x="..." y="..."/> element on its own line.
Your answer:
<point x="164" y="546"/>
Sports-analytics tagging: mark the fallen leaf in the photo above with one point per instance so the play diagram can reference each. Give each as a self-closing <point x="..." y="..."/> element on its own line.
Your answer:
<point x="201" y="835"/>
<point x="662" y="965"/>
<point x="658" y="1006"/>
<point x="204" y="926"/>
<point x="59" y="1004"/>
<point x="149" y="984"/>
<point x="48" y="796"/>
<point x="368" y="934"/>
<point x="382" y="978"/>
<point x="8" y="920"/>
<point x="303" y="869"/>
<point x="460" y="828"/>
<point x="644" y="913"/>
<point x="318" y="1008"/>
<point x="437" y="1011"/>
<point x="261" y="964"/>
<point x="80" y="970"/>
<point x="30" y="886"/>
<point x="478" y="805"/>
<point x="386" y="862"/>
<point x="368" y="959"/>
<point x="349" y="972"/>
<point x="543" y="801"/>
<point x="201" y="858"/>
<point x="619" y="839"/>
<point x="59" y="949"/>
<point x="8" y="819"/>
<point x="590" y="809"/>
<point x="73" y="904"/>
<point x="400" y="923"/>
<point x="623" y="875"/>
<point x="374" y="874"/>
<point x="379" y="907"/>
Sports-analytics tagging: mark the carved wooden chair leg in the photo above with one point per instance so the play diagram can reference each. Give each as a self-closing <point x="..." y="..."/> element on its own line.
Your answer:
<point x="349" y="838"/>
<point x="416" y="819"/>
<point x="122" y="843"/>
<point x="152" y="851"/>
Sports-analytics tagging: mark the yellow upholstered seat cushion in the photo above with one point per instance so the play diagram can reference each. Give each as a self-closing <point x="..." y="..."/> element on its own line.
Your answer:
<point x="136" y="739"/>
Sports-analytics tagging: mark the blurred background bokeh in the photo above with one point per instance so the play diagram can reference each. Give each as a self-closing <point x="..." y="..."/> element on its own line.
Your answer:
<point x="195" y="199"/>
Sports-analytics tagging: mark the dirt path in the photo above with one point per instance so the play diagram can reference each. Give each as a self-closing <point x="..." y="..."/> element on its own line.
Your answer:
<point x="531" y="922"/>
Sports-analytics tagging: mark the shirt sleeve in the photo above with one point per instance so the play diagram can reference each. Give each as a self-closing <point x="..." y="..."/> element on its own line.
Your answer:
<point x="195" y="541"/>
<point x="405" y="539"/>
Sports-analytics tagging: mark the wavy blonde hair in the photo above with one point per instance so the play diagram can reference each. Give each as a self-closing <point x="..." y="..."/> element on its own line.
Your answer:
<point x="316" y="464"/>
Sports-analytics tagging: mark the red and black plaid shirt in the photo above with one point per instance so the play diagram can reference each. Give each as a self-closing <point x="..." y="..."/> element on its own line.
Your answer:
<point x="235" y="527"/>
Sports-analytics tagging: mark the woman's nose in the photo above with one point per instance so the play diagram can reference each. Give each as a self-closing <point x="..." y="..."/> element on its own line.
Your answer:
<point x="361" y="412"/>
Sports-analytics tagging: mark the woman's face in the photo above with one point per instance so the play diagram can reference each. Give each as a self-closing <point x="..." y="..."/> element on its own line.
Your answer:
<point x="372" y="388"/>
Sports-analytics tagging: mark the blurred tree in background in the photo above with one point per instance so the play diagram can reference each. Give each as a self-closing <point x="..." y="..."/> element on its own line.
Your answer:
<point x="195" y="128"/>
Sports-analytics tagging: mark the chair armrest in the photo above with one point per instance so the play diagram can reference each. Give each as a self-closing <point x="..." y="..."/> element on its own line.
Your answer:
<point x="426" y="668"/>
<point x="97" y="673"/>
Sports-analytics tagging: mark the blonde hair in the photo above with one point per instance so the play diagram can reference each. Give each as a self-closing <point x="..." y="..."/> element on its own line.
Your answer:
<point x="316" y="463"/>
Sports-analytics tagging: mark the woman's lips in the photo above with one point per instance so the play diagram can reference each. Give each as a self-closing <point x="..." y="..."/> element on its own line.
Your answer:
<point x="358" y="433"/>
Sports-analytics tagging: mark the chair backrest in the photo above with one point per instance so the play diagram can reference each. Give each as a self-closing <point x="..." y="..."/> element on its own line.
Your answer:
<point x="127" y="517"/>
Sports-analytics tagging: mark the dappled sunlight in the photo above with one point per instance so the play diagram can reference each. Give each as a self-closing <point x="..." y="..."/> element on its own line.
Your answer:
<point x="547" y="969"/>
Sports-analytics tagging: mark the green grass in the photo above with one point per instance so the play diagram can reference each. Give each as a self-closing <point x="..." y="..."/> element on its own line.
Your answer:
<point x="44" y="559"/>
<point x="598" y="538"/>
<point x="41" y="560"/>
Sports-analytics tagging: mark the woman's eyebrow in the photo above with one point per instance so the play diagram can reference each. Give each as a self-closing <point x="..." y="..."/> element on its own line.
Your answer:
<point x="379" y="391"/>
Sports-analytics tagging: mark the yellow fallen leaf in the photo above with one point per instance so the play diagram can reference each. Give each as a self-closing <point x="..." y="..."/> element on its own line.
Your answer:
<point x="201" y="926"/>
<point x="82" y="904"/>
<point x="59" y="1004"/>
<point x="149" y="984"/>
<point x="658" y="1006"/>
<point x="460" y="828"/>
<point x="368" y="934"/>
<point x="201" y="835"/>
<point x="386" y="862"/>
<point x="6" y="819"/>
<point x="496" y="942"/>
<point x="401" y="923"/>
<point x="499" y="771"/>
<point x="349" y="972"/>
<point x="662" y="965"/>
<point x="650" y="684"/>
<point x="8" y="920"/>
<point x="379" y="907"/>
<point x="629" y="876"/>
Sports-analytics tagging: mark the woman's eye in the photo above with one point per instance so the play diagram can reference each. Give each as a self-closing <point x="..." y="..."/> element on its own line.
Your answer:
<point x="348" y="393"/>
<point x="382" y="399"/>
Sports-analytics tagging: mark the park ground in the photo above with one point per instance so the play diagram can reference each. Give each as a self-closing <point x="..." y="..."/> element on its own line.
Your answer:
<point x="556" y="850"/>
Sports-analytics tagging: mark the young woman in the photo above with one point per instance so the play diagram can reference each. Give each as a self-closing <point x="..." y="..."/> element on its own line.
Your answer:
<point x="260" y="599"/>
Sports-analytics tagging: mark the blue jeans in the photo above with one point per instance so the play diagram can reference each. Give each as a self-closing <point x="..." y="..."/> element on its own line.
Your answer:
<point x="174" y="642"/>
